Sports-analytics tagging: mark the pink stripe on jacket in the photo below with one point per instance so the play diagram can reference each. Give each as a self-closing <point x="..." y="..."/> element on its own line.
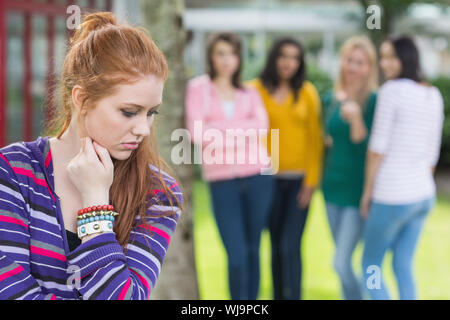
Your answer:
<point x="203" y="104"/>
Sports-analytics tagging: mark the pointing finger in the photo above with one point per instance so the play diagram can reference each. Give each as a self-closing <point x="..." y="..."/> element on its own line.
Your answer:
<point x="104" y="155"/>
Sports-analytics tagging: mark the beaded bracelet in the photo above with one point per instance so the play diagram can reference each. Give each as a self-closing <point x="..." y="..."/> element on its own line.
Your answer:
<point x="94" y="227"/>
<point x="95" y="219"/>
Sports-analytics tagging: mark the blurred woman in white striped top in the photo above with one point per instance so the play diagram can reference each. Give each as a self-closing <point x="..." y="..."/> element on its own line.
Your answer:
<point x="404" y="146"/>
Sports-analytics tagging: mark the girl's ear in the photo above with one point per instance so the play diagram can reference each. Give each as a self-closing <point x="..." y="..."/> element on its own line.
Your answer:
<point x="78" y="96"/>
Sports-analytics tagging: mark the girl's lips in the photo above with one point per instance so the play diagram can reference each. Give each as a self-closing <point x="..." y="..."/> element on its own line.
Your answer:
<point x="130" y="146"/>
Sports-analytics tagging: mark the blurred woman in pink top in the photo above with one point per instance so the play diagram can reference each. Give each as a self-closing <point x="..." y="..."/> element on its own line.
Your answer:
<point x="227" y="122"/>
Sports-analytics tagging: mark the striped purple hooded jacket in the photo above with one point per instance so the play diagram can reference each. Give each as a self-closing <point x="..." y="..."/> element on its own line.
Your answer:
<point x="35" y="260"/>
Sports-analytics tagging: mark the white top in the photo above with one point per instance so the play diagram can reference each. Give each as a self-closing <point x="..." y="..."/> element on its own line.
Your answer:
<point x="407" y="129"/>
<point x="228" y="108"/>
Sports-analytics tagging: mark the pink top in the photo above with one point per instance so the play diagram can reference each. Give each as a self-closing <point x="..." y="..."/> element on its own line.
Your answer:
<point x="229" y="148"/>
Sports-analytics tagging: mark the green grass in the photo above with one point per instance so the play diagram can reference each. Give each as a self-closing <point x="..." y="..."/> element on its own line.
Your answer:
<point x="432" y="263"/>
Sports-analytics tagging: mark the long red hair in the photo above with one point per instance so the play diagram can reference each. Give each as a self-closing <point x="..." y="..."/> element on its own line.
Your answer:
<point x="101" y="55"/>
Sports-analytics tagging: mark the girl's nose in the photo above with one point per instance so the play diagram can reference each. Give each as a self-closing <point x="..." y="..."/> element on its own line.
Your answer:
<point x="142" y="127"/>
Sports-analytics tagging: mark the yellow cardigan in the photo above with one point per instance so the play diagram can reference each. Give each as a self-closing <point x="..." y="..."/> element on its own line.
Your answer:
<point x="300" y="131"/>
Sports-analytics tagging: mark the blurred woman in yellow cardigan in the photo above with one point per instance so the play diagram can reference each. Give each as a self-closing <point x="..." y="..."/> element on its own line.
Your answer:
<point x="293" y="107"/>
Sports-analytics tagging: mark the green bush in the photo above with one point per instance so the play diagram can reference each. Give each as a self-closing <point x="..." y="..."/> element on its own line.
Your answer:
<point x="443" y="84"/>
<point x="320" y="79"/>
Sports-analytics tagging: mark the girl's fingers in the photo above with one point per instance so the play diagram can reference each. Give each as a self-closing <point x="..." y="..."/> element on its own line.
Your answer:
<point x="104" y="155"/>
<point x="89" y="149"/>
<point x="92" y="150"/>
<point x="83" y="145"/>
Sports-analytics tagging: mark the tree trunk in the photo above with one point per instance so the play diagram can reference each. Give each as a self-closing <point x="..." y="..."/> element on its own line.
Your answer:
<point x="178" y="279"/>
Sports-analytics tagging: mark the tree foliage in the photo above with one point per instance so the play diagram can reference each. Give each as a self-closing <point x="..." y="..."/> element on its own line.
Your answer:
<point x="391" y="10"/>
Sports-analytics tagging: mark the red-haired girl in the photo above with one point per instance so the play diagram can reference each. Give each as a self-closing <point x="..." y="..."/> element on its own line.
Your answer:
<point x="86" y="212"/>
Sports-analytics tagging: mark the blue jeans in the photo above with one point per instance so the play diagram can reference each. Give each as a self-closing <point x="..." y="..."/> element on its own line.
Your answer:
<point x="346" y="226"/>
<point x="286" y="225"/>
<point x="241" y="209"/>
<point x="395" y="227"/>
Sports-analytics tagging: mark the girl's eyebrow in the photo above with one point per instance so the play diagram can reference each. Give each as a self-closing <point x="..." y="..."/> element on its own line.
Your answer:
<point x="141" y="107"/>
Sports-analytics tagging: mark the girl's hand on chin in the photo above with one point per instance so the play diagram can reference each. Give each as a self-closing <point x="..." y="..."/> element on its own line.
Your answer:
<point x="92" y="173"/>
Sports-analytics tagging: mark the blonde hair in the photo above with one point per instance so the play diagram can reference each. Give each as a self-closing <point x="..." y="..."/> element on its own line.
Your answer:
<point x="363" y="43"/>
